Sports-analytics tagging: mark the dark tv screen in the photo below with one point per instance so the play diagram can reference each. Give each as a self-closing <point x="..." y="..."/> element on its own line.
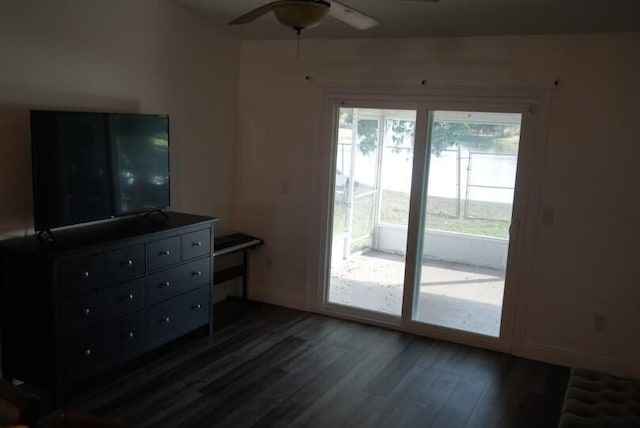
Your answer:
<point x="93" y="166"/>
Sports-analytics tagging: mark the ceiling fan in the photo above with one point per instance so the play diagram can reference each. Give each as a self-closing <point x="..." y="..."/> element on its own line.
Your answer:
<point x="303" y="14"/>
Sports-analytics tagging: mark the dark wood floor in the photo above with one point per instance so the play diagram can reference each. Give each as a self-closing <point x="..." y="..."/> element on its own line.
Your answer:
<point x="275" y="367"/>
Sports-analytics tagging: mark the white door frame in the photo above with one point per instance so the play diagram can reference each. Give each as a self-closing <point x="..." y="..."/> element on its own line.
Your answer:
<point x="532" y="103"/>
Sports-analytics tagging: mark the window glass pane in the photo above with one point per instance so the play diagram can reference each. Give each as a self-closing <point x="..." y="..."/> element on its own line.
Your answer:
<point x="375" y="147"/>
<point x="472" y="172"/>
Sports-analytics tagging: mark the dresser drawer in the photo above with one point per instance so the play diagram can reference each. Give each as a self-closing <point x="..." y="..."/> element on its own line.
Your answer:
<point x="180" y="279"/>
<point x="164" y="252"/>
<point x="89" y="350"/>
<point x="103" y="305"/>
<point x="81" y="275"/>
<point x="173" y="318"/>
<point x="125" y="263"/>
<point x="196" y="244"/>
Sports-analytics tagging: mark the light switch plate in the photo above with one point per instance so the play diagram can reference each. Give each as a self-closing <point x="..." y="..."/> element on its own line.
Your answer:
<point x="547" y="216"/>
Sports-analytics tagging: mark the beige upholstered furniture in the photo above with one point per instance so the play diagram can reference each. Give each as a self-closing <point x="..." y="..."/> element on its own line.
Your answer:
<point x="599" y="400"/>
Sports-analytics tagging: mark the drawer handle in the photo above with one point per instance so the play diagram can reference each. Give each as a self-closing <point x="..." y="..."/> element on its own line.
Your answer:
<point x="197" y="307"/>
<point x="130" y="335"/>
<point x="87" y="311"/>
<point x="196" y="244"/>
<point x="131" y="296"/>
<point x="165" y="284"/>
<point x="128" y="263"/>
<point x="164" y="253"/>
<point x="196" y="273"/>
<point x="87" y="352"/>
<point x="167" y="320"/>
<point x="84" y="275"/>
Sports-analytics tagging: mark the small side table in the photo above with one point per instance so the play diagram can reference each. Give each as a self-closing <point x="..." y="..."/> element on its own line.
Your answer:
<point x="231" y="244"/>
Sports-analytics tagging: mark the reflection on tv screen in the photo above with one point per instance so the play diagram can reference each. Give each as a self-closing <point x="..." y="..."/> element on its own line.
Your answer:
<point x="90" y="166"/>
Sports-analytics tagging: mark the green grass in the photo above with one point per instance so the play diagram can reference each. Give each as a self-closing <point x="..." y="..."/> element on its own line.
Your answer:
<point x="493" y="228"/>
<point x="489" y="218"/>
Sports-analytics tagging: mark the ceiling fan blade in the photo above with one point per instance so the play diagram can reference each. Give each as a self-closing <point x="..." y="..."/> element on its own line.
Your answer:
<point x="351" y="16"/>
<point x="422" y="1"/>
<point x="252" y="15"/>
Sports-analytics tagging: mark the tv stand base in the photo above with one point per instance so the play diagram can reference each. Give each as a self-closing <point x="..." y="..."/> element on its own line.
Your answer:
<point x="46" y="235"/>
<point x="150" y="214"/>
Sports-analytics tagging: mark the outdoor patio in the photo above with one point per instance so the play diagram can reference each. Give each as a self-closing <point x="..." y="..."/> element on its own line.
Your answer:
<point x="452" y="295"/>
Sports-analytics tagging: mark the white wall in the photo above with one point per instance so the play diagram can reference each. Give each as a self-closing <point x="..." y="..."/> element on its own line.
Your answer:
<point x="147" y="56"/>
<point x="587" y="262"/>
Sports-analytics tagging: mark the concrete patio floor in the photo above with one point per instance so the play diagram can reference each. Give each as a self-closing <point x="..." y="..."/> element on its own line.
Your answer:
<point x="452" y="295"/>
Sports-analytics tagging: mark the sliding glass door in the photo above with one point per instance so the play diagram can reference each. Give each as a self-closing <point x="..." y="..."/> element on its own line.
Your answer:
<point x="424" y="230"/>
<point x="374" y="158"/>
<point x="471" y="167"/>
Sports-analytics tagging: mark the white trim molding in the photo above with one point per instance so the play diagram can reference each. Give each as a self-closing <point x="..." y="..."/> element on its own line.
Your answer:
<point x="572" y="358"/>
<point x="531" y="103"/>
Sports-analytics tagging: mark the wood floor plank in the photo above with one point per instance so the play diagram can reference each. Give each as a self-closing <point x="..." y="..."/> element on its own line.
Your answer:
<point x="383" y="383"/>
<point x="237" y="386"/>
<point x="301" y="400"/>
<point x="255" y="367"/>
<point x="277" y="367"/>
<point x="176" y="373"/>
<point x="435" y="394"/>
<point x="460" y="404"/>
<point x="300" y="371"/>
<point x="388" y="411"/>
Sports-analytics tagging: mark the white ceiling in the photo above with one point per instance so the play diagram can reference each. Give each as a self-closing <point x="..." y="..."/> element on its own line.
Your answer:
<point x="411" y="18"/>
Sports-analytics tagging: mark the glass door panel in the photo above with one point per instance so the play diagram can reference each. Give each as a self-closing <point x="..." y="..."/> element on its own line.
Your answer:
<point x="371" y="203"/>
<point x="469" y="202"/>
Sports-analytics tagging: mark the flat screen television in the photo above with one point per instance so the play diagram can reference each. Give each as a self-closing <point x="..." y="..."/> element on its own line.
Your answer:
<point x="94" y="166"/>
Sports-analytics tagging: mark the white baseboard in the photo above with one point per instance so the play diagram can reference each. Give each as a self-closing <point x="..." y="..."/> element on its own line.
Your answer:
<point x="571" y="358"/>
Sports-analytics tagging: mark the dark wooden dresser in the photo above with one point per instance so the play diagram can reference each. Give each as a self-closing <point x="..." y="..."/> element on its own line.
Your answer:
<point x="100" y="295"/>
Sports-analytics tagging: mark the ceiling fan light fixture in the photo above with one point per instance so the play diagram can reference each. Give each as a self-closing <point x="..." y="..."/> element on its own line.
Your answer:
<point x="300" y="15"/>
